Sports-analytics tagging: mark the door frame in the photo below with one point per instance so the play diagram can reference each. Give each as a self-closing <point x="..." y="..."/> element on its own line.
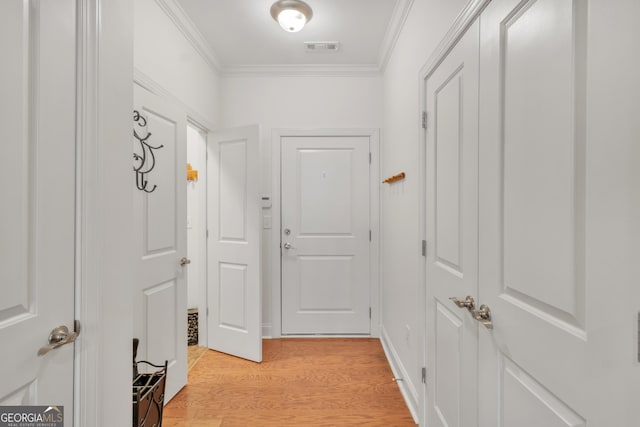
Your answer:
<point x="275" y="329"/>
<point x="462" y="22"/>
<point x="104" y="268"/>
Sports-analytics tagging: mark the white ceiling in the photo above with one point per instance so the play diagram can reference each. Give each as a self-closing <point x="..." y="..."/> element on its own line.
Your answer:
<point x="241" y="34"/>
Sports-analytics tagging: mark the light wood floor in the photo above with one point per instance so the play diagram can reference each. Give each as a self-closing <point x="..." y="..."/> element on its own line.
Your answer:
<point x="301" y="382"/>
<point x="194" y="353"/>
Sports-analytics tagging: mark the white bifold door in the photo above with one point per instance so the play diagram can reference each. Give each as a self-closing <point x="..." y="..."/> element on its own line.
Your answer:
<point x="160" y="241"/>
<point x="539" y="332"/>
<point x="325" y="235"/>
<point x="38" y="198"/>
<point x="234" y="221"/>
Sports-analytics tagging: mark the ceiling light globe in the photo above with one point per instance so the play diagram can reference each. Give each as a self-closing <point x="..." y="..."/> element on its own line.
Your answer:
<point x="292" y="15"/>
<point x="291" y="20"/>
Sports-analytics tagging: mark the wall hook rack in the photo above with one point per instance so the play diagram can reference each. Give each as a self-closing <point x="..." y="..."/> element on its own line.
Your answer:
<point x="144" y="160"/>
<point x="394" y="178"/>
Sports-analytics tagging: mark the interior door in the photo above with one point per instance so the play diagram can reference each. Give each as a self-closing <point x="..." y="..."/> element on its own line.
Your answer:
<point x="160" y="219"/>
<point x="452" y="235"/>
<point x="234" y="221"/>
<point x="555" y="355"/>
<point x="325" y="235"/>
<point x="37" y="184"/>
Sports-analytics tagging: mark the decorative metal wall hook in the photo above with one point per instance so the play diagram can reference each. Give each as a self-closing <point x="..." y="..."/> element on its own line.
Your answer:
<point x="144" y="160"/>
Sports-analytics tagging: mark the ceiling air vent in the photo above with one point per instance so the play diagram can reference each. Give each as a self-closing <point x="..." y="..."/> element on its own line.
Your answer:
<point x="321" y="47"/>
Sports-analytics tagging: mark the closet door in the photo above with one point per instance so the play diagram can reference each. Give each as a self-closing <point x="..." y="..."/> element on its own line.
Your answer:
<point x="452" y="233"/>
<point x="557" y="353"/>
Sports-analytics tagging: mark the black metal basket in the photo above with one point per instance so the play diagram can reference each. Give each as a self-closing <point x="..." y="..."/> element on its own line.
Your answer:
<point x="148" y="396"/>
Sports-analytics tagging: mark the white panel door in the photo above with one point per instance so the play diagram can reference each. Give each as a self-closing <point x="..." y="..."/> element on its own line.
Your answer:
<point x="325" y="235"/>
<point x="234" y="220"/>
<point x="160" y="222"/>
<point x="37" y="187"/>
<point x="556" y="356"/>
<point x="452" y="234"/>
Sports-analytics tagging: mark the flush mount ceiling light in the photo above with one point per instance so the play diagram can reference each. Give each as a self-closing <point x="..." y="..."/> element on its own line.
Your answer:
<point x="292" y="15"/>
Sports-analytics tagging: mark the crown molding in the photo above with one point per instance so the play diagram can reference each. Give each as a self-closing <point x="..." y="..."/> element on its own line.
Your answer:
<point x="293" y="70"/>
<point x="193" y="35"/>
<point x="190" y="31"/>
<point x="145" y="81"/>
<point x="394" y="28"/>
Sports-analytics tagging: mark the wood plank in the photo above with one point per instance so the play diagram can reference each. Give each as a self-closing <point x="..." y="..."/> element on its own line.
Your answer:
<point x="301" y="382"/>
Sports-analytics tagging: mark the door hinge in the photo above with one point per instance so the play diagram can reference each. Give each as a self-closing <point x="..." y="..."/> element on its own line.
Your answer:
<point x="424" y="120"/>
<point x="424" y="248"/>
<point x="207" y="234"/>
<point x="369" y="157"/>
<point x="424" y="375"/>
<point x="369" y="235"/>
<point x="369" y="312"/>
<point x="207" y="311"/>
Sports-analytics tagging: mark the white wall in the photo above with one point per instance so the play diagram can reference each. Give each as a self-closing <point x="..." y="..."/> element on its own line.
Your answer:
<point x="296" y="103"/>
<point x="163" y="54"/>
<point x="402" y="263"/>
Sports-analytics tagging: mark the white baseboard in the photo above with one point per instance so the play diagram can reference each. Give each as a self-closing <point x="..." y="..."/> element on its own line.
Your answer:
<point x="267" y="331"/>
<point x="407" y="389"/>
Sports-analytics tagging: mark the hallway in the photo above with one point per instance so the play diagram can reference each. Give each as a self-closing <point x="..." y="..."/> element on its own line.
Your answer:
<point x="301" y="382"/>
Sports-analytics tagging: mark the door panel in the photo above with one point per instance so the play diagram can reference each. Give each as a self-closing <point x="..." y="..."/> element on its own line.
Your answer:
<point x="325" y="207"/>
<point x="541" y="355"/>
<point x="235" y="231"/>
<point x="524" y="397"/>
<point x="543" y="204"/>
<point x="37" y="185"/>
<point x="160" y="309"/>
<point x="452" y="228"/>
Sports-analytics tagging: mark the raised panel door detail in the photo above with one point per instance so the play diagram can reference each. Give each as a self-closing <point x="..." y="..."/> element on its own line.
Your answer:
<point x="234" y="219"/>
<point x="161" y="314"/>
<point x="160" y="219"/>
<point x="160" y="227"/>
<point x="448" y="140"/>
<point x="16" y="159"/>
<point x="325" y="172"/>
<point x="451" y="223"/>
<point x="233" y="296"/>
<point x="526" y="403"/>
<point x="449" y="341"/>
<point x="325" y="257"/>
<point x="232" y="181"/>
<point x="24" y="395"/>
<point x="38" y="186"/>
<point x="543" y="124"/>
<point x="326" y="283"/>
